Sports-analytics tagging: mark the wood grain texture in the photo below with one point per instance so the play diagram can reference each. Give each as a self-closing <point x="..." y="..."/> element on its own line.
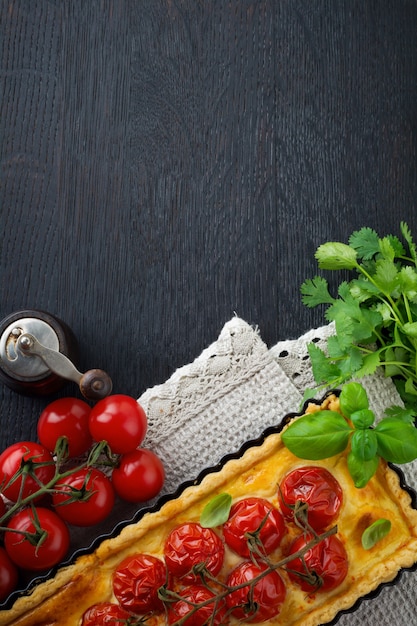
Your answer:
<point x="166" y="163"/>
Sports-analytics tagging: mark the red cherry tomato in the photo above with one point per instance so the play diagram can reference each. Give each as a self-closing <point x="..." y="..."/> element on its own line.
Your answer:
<point x="45" y="553"/>
<point x="259" y="601"/>
<point x="139" y="476"/>
<point x="119" y="420"/>
<point x="211" y="613"/>
<point x="84" y="498"/>
<point x="254" y="522"/>
<point x="325" y="565"/>
<point x="66" y="417"/>
<point x="106" y="613"/>
<point x="316" y="487"/>
<point x="8" y="575"/>
<point x="2" y="507"/>
<point x="189" y="545"/>
<point x="136" y="582"/>
<point x="23" y="459"/>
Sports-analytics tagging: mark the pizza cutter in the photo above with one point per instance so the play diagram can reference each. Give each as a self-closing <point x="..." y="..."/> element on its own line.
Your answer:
<point x="37" y="351"/>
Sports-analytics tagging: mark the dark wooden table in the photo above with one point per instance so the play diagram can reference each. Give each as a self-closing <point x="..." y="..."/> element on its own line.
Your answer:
<point x="168" y="163"/>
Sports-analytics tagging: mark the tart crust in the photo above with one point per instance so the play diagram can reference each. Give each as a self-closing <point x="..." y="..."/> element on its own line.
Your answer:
<point x="61" y="600"/>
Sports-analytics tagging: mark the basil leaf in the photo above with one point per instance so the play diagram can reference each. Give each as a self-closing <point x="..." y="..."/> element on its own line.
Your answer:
<point x="317" y="435"/>
<point x="375" y="532"/>
<point x="397" y="440"/>
<point x="361" y="471"/>
<point x="353" y="398"/>
<point x="363" y="418"/>
<point x="364" y="444"/>
<point x="216" y="511"/>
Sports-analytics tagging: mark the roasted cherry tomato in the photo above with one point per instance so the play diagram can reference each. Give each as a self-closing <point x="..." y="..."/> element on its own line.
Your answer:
<point x="119" y="420"/>
<point x="318" y="489"/>
<point x="139" y="476"/>
<point x="50" y="535"/>
<point x="136" y="582"/>
<point x="8" y="575"/>
<point x="106" y="613"/>
<point x="254" y="524"/>
<point x="323" y="567"/>
<point x="18" y="463"/>
<point x="258" y="601"/>
<point x="66" y="417"/>
<point x="189" y="545"/>
<point x="208" y="613"/>
<point x="84" y="498"/>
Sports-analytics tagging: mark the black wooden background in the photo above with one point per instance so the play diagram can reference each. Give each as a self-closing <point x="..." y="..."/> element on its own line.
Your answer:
<point x="168" y="163"/>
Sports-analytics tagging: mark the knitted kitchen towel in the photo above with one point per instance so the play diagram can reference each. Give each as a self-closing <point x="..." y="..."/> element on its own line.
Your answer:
<point x="209" y="408"/>
<point x="230" y="394"/>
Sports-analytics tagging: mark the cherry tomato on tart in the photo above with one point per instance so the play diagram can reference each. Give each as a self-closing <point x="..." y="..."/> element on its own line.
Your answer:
<point x="197" y="606"/>
<point x="254" y="524"/>
<point x="190" y="546"/>
<point x="259" y="601"/>
<point x="136" y="582"/>
<point x="312" y="491"/>
<point x="323" y="567"/>
<point x="106" y="614"/>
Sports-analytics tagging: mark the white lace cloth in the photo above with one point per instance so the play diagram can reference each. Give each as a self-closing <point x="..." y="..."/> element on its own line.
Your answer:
<point x="233" y="391"/>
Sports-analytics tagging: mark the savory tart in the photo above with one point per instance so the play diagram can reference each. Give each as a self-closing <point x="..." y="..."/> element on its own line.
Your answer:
<point x="300" y="593"/>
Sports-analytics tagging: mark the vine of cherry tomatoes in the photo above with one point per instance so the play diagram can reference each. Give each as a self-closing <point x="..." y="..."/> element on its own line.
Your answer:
<point x="275" y="545"/>
<point x="85" y="458"/>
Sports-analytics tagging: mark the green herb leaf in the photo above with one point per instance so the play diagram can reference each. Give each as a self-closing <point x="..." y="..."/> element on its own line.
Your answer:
<point x="353" y="397"/>
<point x="216" y="511"/>
<point x="369" y="365"/>
<point x="400" y="413"/>
<point x="410" y="387"/>
<point x="334" y="255"/>
<point x="323" y="369"/>
<point x="406" y="233"/>
<point x="407" y="282"/>
<point x="366" y="242"/>
<point x="375" y="314"/>
<point x="375" y="532"/>
<point x="385" y="276"/>
<point x="397" y="440"/>
<point x="317" y="436"/>
<point x="364" y="444"/>
<point x="362" y="419"/>
<point x="361" y="471"/>
<point x="315" y="291"/>
<point x="410" y="329"/>
<point x="309" y="393"/>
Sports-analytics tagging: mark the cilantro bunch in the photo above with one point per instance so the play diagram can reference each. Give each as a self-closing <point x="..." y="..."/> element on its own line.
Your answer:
<point x="375" y="313"/>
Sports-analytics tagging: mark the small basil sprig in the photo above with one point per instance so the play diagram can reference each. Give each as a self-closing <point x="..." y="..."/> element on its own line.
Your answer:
<point x="216" y="511"/>
<point x="326" y="433"/>
<point x="375" y="532"/>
